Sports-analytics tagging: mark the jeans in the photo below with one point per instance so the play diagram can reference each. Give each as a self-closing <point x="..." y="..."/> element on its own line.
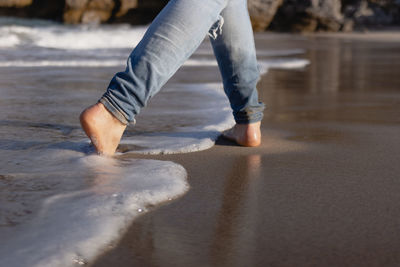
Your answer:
<point x="170" y="40"/>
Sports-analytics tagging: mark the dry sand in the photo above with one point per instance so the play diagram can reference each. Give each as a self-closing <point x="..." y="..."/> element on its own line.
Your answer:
<point x="322" y="190"/>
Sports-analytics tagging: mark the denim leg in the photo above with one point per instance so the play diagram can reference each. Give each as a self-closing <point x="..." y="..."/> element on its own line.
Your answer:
<point x="236" y="56"/>
<point x="172" y="37"/>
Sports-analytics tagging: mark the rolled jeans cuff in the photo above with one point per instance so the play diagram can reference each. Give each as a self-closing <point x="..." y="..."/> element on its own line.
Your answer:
<point x="119" y="115"/>
<point x="250" y="115"/>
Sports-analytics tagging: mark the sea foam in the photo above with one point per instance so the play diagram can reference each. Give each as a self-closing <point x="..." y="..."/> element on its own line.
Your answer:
<point x="8" y="41"/>
<point x="210" y="108"/>
<point x="91" y="204"/>
<point x="61" y="206"/>
<point x="264" y="65"/>
<point x="81" y="37"/>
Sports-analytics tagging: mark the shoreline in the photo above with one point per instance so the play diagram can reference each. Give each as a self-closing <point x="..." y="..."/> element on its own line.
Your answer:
<point x="384" y="35"/>
<point x="321" y="190"/>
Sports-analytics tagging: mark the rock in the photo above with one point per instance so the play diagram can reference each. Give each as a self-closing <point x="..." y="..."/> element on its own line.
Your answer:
<point x="373" y="12"/>
<point x="328" y="14"/>
<point x="262" y="12"/>
<point x="348" y="25"/>
<point x="309" y="16"/>
<point x="95" y="16"/>
<point x="45" y="9"/>
<point x="74" y="10"/>
<point x="101" y="5"/>
<point x="15" y="3"/>
<point x="125" y="6"/>
<point x="72" y="16"/>
<point x="76" y="4"/>
<point x="99" y="11"/>
<point x="278" y="15"/>
<point x="138" y="11"/>
<point x="88" y="11"/>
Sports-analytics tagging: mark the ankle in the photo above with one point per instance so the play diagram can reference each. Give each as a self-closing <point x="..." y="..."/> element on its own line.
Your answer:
<point x="102" y="128"/>
<point x="249" y="134"/>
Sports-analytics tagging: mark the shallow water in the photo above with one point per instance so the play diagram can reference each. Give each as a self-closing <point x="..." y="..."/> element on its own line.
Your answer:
<point x="323" y="188"/>
<point x="56" y="198"/>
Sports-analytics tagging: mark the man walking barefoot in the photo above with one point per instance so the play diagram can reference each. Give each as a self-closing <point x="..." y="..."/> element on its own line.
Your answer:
<point x="171" y="38"/>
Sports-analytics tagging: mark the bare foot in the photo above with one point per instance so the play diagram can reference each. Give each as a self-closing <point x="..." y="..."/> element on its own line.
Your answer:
<point x="102" y="128"/>
<point x="245" y="134"/>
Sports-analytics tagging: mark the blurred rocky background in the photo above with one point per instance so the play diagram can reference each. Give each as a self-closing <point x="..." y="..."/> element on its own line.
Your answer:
<point x="276" y="15"/>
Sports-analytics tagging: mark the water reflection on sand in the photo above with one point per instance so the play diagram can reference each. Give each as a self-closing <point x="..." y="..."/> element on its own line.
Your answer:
<point x="323" y="188"/>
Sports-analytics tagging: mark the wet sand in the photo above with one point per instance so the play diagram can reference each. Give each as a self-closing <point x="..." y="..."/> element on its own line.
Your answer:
<point x="322" y="190"/>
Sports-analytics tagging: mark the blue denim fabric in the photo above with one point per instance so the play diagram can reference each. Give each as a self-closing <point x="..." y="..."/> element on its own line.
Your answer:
<point x="170" y="40"/>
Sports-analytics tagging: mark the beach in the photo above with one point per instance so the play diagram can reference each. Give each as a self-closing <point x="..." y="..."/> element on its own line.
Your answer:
<point x="321" y="190"/>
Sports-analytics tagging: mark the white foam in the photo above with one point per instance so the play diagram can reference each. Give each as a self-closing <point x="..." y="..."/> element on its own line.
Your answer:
<point x="90" y="63"/>
<point x="64" y="208"/>
<point x="287" y="63"/>
<point x="91" y="38"/>
<point x="73" y="37"/>
<point x="211" y="110"/>
<point x="8" y="41"/>
<point x="264" y="53"/>
<point x="75" y="225"/>
<point x="62" y="63"/>
<point x="10" y="35"/>
<point x="264" y="65"/>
